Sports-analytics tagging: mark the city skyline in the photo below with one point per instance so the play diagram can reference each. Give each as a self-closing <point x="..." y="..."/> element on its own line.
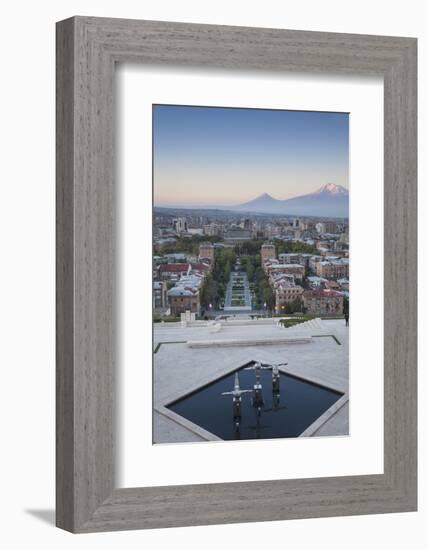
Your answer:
<point x="216" y="156"/>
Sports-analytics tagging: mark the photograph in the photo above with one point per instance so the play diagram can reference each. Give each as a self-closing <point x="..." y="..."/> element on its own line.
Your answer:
<point x="250" y="273"/>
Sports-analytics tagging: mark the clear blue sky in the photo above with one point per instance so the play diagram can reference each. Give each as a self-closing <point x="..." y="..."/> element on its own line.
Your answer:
<point x="210" y="156"/>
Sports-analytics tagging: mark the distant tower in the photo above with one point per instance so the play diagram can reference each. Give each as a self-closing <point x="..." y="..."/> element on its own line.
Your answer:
<point x="206" y="250"/>
<point x="180" y="225"/>
<point x="268" y="252"/>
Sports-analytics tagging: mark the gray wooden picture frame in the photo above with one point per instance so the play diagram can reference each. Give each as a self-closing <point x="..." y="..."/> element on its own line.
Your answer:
<point x="87" y="50"/>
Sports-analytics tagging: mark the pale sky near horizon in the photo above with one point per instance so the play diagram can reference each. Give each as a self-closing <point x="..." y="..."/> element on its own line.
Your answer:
<point x="212" y="156"/>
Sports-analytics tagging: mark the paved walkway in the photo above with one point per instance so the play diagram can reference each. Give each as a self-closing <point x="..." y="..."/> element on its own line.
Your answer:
<point x="246" y="294"/>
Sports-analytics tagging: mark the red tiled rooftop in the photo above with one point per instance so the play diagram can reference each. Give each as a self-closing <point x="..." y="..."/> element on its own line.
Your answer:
<point x="322" y="293"/>
<point x="200" y="267"/>
<point x="173" y="268"/>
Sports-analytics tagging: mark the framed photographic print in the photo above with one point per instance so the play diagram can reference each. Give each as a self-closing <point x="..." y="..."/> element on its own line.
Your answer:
<point x="243" y="271"/>
<point x="236" y="274"/>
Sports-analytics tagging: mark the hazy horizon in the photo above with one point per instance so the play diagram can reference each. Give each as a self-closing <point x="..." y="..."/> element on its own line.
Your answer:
<point x="220" y="157"/>
<point x="226" y="206"/>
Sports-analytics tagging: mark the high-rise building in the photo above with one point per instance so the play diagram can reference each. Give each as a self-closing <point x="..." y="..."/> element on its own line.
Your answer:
<point x="268" y="252"/>
<point x="212" y="229"/>
<point x="206" y="250"/>
<point x="326" y="227"/>
<point x="180" y="225"/>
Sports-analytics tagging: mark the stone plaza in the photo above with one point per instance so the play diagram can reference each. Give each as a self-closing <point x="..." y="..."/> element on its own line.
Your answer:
<point x="191" y="354"/>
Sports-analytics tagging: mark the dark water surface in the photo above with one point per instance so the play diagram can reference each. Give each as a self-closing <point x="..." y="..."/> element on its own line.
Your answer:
<point x="288" y="414"/>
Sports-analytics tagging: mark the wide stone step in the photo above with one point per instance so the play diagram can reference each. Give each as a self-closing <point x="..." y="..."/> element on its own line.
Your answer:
<point x="236" y="342"/>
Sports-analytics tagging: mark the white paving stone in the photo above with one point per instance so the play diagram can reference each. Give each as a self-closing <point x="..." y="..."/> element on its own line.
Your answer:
<point x="179" y="369"/>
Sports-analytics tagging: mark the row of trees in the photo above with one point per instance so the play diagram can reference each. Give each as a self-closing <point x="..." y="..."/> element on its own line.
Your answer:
<point x="251" y="264"/>
<point x="284" y="247"/>
<point x="209" y="292"/>
<point x="296" y="306"/>
<point x="260" y="286"/>
<point x="214" y="288"/>
<point x="247" y="248"/>
<point x="264" y="294"/>
<point x="189" y="245"/>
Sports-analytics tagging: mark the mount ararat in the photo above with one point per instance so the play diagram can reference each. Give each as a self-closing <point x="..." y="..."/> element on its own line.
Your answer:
<point x="330" y="200"/>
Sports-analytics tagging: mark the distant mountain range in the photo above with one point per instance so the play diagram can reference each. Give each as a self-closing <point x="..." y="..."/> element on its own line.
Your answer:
<point x="328" y="201"/>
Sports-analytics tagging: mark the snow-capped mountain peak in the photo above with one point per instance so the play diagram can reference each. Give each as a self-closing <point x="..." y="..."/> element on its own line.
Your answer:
<point x="332" y="189"/>
<point x="265" y="196"/>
